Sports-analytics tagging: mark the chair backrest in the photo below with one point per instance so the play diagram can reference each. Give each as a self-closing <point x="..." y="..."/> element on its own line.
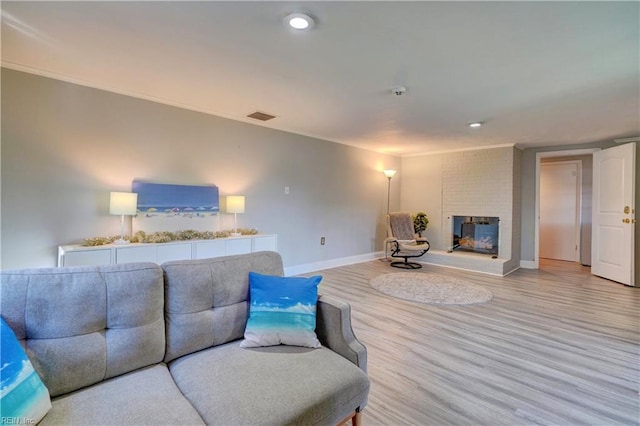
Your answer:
<point x="400" y="226"/>
<point x="84" y="324"/>
<point x="206" y="299"/>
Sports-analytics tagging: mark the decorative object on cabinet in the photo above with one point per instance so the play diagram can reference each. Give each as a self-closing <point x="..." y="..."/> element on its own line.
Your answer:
<point x="172" y="207"/>
<point x="235" y="205"/>
<point x="98" y="241"/>
<point x="166" y="236"/>
<point x="123" y="204"/>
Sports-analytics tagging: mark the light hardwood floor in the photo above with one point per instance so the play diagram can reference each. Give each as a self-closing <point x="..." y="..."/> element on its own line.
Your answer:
<point x="554" y="346"/>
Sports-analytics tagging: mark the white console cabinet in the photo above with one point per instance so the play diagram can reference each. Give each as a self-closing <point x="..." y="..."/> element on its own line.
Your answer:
<point x="77" y="255"/>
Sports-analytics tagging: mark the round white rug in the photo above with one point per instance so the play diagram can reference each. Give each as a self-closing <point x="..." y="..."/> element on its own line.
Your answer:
<point x="430" y="288"/>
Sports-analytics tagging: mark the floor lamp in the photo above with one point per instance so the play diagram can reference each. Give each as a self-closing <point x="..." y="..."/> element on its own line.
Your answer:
<point x="389" y="174"/>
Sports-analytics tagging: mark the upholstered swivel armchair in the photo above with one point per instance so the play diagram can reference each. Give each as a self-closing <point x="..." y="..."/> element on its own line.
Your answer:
<point x="405" y="245"/>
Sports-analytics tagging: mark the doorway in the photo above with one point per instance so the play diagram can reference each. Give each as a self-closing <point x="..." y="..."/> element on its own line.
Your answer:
<point x="585" y="156"/>
<point x="560" y="209"/>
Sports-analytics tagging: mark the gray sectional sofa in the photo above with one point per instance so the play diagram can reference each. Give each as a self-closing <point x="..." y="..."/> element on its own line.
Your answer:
<point x="141" y="343"/>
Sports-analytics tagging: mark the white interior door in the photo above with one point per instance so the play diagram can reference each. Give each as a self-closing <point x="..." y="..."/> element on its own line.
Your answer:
<point x="560" y="189"/>
<point x="613" y="213"/>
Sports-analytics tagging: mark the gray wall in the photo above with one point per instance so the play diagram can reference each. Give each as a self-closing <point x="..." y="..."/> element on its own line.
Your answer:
<point x="65" y="147"/>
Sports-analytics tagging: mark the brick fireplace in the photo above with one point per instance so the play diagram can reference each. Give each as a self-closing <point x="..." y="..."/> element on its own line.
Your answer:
<point x="483" y="188"/>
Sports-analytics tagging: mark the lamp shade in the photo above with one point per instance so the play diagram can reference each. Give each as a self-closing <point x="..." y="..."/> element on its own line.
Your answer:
<point x="235" y="204"/>
<point x="123" y="203"/>
<point x="389" y="173"/>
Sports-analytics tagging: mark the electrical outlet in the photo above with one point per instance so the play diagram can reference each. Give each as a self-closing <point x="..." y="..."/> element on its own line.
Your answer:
<point x="322" y="241"/>
<point x="286" y="190"/>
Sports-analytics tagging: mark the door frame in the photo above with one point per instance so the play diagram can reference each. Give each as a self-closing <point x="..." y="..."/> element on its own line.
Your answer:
<point x="539" y="156"/>
<point x="577" y="219"/>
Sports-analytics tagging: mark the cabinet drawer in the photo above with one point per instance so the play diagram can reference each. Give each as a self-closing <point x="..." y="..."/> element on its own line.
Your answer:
<point x="137" y="254"/>
<point x="268" y="243"/>
<point x="206" y="249"/>
<point x="174" y="252"/>
<point x="87" y="258"/>
<point x="239" y="246"/>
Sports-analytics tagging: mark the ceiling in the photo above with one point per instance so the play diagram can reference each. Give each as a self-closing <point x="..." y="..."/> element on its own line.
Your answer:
<point x="536" y="73"/>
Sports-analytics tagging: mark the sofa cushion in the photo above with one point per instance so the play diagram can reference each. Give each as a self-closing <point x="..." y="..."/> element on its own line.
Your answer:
<point x="282" y="311"/>
<point x="102" y="322"/>
<point x="23" y="396"/>
<point x="206" y="300"/>
<point x="147" y="396"/>
<point x="270" y="385"/>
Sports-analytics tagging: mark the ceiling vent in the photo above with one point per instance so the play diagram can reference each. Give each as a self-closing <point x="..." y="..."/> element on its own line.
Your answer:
<point x="261" y="116"/>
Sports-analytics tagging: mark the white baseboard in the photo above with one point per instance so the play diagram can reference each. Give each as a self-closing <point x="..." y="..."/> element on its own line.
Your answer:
<point x="529" y="264"/>
<point x="331" y="263"/>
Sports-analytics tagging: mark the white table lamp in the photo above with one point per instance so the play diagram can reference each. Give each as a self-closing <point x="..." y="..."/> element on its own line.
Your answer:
<point x="235" y="205"/>
<point x="123" y="203"/>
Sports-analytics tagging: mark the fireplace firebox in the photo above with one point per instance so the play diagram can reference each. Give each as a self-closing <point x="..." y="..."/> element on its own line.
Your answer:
<point x="476" y="234"/>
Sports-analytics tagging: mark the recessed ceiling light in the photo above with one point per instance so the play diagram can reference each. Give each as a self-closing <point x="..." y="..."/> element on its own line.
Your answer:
<point x="476" y="124"/>
<point x="299" y="21"/>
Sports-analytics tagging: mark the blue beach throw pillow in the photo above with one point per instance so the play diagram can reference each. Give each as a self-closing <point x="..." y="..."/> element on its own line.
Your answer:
<point x="24" y="399"/>
<point x="282" y="311"/>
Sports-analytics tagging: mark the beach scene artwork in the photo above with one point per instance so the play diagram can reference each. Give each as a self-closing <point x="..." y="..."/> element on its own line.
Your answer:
<point x="24" y="399"/>
<point x="171" y="207"/>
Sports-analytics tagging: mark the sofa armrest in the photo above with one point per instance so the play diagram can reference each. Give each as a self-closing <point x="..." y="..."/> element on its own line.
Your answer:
<point x="333" y="327"/>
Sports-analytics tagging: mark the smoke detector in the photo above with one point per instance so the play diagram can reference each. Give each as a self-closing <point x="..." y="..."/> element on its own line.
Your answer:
<point x="399" y="90"/>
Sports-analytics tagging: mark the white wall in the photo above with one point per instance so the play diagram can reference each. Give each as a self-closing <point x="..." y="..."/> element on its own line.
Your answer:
<point x="65" y="147"/>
